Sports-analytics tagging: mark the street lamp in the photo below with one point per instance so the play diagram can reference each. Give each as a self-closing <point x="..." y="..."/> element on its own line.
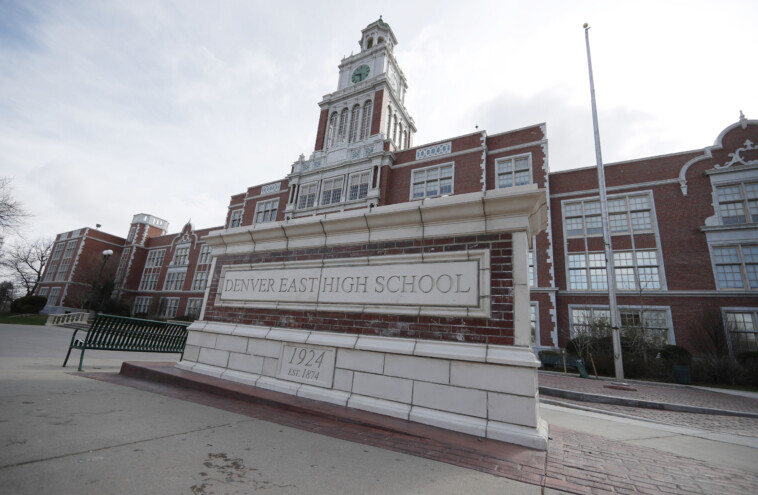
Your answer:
<point x="106" y="254"/>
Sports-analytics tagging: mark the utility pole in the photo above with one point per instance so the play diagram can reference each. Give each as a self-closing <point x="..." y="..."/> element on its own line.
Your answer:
<point x="610" y="274"/>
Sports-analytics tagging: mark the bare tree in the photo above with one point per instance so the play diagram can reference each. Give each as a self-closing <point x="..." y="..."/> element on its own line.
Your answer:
<point x="25" y="261"/>
<point x="12" y="212"/>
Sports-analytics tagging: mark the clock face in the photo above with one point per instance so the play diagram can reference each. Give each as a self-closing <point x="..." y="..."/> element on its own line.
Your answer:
<point x="361" y="73"/>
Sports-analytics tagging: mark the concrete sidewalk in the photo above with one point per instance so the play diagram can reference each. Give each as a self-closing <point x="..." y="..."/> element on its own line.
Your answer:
<point x="66" y="433"/>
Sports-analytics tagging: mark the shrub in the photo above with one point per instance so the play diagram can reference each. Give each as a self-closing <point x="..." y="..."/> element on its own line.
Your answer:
<point x="117" y="308"/>
<point x="748" y="358"/>
<point x="674" y="355"/>
<point x="28" y="304"/>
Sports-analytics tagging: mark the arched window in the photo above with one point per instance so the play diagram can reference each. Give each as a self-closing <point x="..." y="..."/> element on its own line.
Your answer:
<point x="394" y="129"/>
<point x="331" y="129"/>
<point x="370" y="43"/>
<point x="389" y="121"/>
<point x="366" y="123"/>
<point x="404" y="140"/>
<point x="408" y="140"/>
<point x="355" y="117"/>
<point x="343" y="126"/>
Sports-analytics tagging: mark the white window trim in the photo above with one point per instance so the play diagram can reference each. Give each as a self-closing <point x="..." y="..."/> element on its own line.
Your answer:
<point x="236" y="215"/>
<point x="735" y="309"/>
<point x="350" y="177"/>
<point x="536" y="306"/>
<point x="743" y="268"/>
<point x="745" y="200"/>
<point x="261" y="207"/>
<point x="667" y="309"/>
<point x="424" y="169"/>
<point x="308" y="185"/>
<point x="513" y="159"/>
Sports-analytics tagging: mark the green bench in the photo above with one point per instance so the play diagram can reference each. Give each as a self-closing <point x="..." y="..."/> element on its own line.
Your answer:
<point x="117" y="333"/>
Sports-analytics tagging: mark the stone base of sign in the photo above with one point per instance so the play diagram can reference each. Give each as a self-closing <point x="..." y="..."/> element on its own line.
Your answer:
<point x="484" y="390"/>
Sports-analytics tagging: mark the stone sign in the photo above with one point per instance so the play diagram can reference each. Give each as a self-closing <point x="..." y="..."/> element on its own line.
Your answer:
<point x="450" y="281"/>
<point x="307" y="364"/>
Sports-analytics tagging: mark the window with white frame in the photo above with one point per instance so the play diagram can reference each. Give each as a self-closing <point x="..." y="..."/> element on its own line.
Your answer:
<point x="651" y="324"/>
<point x="366" y="123"/>
<point x="236" y="219"/>
<point x="122" y="264"/>
<point x="43" y="291"/>
<point x="736" y="266"/>
<point x="265" y="211"/>
<point x="358" y="185"/>
<point x="168" y="307"/>
<point x="531" y="267"/>
<point x="343" y="126"/>
<point x="738" y="203"/>
<point x="634" y="270"/>
<point x="432" y="181"/>
<point x="141" y="305"/>
<point x="193" y="307"/>
<point x="331" y="131"/>
<point x="132" y="231"/>
<point x="204" y="257"/>
<point x="307" y="197"/>
<point x="181" y="255"/>
<point x="66" y="261"/>
<point x="534" y="324"/>
<point x="626" y="214"/>
<point x="331" y="191"/>
<point x="52" y="267"/>
<point x="152" y="268"/>
<point x="354" y="123"/>
<point x="52" y="299"/>
<point x="742" y="328"/>
<point x="200" y="280"/>
<point x="174" y="280"/>
<point x="513" y="171"/>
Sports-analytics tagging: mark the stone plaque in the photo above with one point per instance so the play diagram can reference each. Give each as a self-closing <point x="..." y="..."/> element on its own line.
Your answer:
<point x="446" y="282"/>
<point x="307" y="364"/>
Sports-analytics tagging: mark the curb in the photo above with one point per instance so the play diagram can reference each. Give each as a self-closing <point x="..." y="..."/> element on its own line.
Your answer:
<point x="622" y="401"/>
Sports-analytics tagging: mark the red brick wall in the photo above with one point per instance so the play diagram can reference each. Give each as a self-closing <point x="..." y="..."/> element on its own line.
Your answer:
<point x="496" y="330"/>
<point x="376" y="117"/>
<point x="321" y="132"/>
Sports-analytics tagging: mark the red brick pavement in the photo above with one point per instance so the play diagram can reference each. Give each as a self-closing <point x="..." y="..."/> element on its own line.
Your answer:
<point x="661" y="393"/>
<point x="574" y="463"/>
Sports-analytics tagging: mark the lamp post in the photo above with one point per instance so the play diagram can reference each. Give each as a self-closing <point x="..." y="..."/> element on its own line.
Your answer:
<point x="106" y="254"/>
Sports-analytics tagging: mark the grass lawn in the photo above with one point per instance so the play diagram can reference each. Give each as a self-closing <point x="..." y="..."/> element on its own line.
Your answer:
<point x="17" y="319"/>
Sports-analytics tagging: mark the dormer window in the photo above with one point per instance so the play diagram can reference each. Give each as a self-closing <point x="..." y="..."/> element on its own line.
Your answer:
<point x="738" y="203"/>
<point x="370" y="43"/>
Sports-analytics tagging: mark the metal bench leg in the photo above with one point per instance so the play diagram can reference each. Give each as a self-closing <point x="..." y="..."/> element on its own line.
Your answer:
<point x="81" y="358"/>
<point x="67" y="355"/>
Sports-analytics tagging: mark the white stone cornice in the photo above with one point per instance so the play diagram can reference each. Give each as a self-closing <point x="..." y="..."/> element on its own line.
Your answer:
<point x="517" y="209"/>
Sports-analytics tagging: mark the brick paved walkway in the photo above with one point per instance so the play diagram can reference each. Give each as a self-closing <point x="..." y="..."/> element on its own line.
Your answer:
<point x="661" y="393"/>
<point x="575" y="462"/>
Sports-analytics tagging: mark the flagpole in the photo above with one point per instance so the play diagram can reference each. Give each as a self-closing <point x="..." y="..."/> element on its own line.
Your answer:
<point x="610" y="275"/>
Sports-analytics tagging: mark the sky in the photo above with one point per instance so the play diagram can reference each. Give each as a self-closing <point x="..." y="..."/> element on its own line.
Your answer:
<point x="112" y="108"/>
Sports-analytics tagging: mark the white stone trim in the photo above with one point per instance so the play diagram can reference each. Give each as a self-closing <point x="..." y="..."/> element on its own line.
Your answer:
<point x="479" y="389"/>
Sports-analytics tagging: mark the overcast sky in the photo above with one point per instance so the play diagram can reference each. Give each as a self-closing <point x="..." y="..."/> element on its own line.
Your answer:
<point x="112" y="108"/>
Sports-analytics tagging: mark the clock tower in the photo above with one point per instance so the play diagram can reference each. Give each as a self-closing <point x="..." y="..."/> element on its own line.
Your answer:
<point x="361" y="125"/>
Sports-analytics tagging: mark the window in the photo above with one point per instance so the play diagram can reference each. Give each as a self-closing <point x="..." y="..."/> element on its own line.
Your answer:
<point x="394" y="128"/>
<point x="736" y="267"/>
<point x="43" y="291"/>
<point x="625" y="214"/>
<point x="193" y="308"/>
<point x="52" y="267"/>
<point x="355" y="117"/>
<point x="168" y="306"/>
<point x="200" y="280"/>
<point x="343" y="126"/>
<point x="651" y="324"/>
<point x="742" y="328"/>
<point x="205" y="255"/>
<point x="174" y="280"/>
<point x="331" y="191"/>
<point x="366" y="122"/>
<point x="307" y="195"/>
<point x="141" y="305"/>
<point x="738" y="203"/>
<point x="389" y="121"/>
<point x="52" y="299"/>
<point x="132" y="231"/>
<point x="236" y="219"/>
<point x="152" y="269"/>
<point x="358" y="186"/>
<point x="265" y="211"/>
<point x="634" y="270"/>
<point x="66" y="261"/>
<point x="331" y="130"/>
<point x="181" y="256"/>
<point x="514" y="171"/>
<point x="531" y="267"/>
<point x="432" y="181"/>
<point x="533" y="324"/>
<point x="122" y="264"/>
